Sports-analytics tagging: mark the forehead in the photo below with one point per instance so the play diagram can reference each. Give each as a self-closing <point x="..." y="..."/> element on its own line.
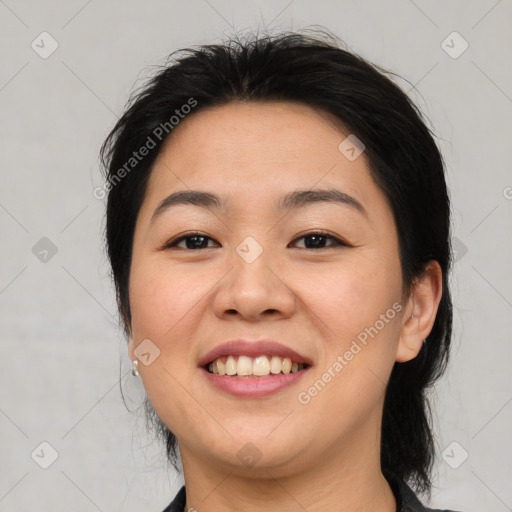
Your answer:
<point x="273" y="131"/>
<point x="251" y="151"/>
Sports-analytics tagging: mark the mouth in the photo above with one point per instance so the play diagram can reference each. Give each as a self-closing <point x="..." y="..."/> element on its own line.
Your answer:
<point x="242" y="366"/>
<point x="253" y="369"/>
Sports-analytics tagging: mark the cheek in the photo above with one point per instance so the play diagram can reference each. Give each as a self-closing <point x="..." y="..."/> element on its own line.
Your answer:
<point x="349" y="298"/>
<point x="357" y="307"/>
<point x="161" y="299"/>
<point x="166" y="308"/>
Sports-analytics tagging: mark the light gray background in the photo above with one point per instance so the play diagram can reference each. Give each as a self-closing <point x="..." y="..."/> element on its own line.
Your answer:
<point x="60" y="346"/>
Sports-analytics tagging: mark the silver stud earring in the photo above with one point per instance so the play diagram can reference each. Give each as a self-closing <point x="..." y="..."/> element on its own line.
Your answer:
<point x="135" y="364"/>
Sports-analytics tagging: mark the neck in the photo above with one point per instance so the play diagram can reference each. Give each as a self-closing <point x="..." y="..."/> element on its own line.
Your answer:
<point x="341" y="480"/>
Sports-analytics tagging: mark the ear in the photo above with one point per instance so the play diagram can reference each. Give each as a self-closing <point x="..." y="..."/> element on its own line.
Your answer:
<point x="131" y="348"/>
<point x="420" y="312"/>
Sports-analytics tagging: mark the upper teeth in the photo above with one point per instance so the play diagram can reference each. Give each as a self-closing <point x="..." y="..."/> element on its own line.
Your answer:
<point x="260" y="366"/>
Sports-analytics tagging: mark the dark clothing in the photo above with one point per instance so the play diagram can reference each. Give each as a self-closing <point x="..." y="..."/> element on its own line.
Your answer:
<point x="406" y="500"/>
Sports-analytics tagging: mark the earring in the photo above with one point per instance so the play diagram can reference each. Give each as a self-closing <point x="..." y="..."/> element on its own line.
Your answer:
<point x="135" y="364"/>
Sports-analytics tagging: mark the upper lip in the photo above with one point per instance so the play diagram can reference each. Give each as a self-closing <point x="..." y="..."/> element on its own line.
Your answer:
<point x="253" y="349"/>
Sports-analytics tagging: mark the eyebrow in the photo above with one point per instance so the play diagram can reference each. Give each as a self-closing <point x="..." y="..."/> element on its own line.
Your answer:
<point x="295" y="199"/>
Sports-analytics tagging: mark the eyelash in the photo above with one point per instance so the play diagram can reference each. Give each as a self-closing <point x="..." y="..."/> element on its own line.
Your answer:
<point x="337" y="242"/>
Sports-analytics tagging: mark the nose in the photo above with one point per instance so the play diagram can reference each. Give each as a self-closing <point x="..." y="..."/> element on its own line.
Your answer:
<point x="254" y="290"/>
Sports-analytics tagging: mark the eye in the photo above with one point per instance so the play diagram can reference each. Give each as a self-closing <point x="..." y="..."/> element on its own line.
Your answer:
<point x="317" y="240"/>
<point x="196" y="240"/>
<point x="192" y="241"/>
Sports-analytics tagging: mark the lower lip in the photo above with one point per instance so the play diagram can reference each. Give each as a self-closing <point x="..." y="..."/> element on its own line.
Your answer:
<point x="253" y="387"/>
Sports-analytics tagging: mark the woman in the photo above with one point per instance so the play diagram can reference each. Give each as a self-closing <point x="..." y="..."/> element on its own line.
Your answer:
<point x="278" y="231"/>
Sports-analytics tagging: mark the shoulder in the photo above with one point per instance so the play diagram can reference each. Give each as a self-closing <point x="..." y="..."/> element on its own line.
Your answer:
<point x="426" y="509"/>
<point x="411" y="502"/>
<point x="407" y="501"/>
<point x="178" y="503"/>
<point x="440" y="510"/>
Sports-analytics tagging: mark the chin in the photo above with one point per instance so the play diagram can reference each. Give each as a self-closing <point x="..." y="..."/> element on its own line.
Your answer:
<point x="263" y="451"/>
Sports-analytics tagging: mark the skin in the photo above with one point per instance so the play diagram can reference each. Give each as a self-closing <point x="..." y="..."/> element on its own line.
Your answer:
<point x="323" y="455"/>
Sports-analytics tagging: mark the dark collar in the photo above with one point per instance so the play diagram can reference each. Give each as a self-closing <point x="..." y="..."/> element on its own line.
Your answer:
<point x="406" y="500"/>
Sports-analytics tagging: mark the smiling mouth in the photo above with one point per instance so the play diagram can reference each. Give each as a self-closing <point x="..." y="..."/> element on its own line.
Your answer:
<point x="250" y="367"/>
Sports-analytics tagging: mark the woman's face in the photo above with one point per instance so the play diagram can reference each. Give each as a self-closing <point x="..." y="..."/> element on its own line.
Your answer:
<point x="258" y="274"/>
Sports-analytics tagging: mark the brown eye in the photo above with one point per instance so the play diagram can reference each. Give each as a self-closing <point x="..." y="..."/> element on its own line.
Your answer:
<point x="313" y="240"/>
<point x="193" y="241"/>
<point x="317" y="240"/>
